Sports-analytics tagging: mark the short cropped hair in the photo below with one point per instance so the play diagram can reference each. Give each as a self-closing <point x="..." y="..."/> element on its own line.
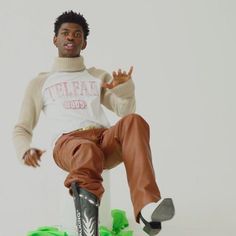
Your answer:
<point x="71" y="17"/>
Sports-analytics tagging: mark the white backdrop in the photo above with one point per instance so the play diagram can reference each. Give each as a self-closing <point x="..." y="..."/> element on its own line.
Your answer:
<point x="183" y="53"/>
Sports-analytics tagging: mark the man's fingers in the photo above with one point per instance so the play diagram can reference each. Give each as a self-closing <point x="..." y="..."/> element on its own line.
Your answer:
<point x="114" y="74"/>
<point x="130" y="70"/>
<point x="34" y="161"/>
<point x="41" y="152"/>
<point x="32" y="152"/>
<point x="106" y="85"/>
<point x="33" y="157"/>
<point x="31" y="161"/>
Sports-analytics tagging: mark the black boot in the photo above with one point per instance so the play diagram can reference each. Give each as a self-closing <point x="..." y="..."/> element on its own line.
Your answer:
<point x="86" y="205"/>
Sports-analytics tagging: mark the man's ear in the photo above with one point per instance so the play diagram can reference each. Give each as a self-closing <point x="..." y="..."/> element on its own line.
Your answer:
<point x="55" y="40"/>
<point x="84" y="45"/>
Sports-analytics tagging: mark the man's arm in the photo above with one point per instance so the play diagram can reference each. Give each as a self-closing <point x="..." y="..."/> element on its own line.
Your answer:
<point x="28" y="118"/>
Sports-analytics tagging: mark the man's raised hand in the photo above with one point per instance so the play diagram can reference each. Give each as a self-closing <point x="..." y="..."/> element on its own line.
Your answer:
<point x="119" y="77"/>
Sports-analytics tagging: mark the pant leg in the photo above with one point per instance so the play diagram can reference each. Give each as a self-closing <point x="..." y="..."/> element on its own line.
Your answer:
<point x="132" y="134"/>
<point x="78" y="154"/>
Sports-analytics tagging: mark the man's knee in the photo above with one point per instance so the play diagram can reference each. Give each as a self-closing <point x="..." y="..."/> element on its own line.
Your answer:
<point x="135" y="118"/>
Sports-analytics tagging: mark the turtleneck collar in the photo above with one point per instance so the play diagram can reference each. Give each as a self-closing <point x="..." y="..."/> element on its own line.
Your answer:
<point x="68" y="64"/>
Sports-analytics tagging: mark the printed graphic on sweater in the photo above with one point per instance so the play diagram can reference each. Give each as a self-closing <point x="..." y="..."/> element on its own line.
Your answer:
<point x="74" y="93"/>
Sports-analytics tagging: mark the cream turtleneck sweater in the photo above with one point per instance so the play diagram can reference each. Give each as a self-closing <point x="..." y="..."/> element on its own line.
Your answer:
<point x="71" y="97"/>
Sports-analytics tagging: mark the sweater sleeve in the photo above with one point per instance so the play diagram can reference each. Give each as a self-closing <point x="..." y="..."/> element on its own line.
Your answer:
<point x="28" y="117"/>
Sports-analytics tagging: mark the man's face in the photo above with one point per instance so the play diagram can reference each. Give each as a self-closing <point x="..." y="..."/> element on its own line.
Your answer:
<point x="70" y="40"/>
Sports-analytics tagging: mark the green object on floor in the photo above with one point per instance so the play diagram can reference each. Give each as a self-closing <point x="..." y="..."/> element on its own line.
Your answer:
<point x="103" y="231"/>
<point x="47" y="231"/>
<point x="120" y="222"/>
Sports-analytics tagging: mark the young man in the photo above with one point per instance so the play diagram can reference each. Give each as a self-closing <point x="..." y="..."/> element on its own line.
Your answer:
<point x="84" y="144"/>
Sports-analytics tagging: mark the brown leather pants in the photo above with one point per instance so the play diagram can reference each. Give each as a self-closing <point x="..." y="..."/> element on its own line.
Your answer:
<point x="85" y="154"/>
